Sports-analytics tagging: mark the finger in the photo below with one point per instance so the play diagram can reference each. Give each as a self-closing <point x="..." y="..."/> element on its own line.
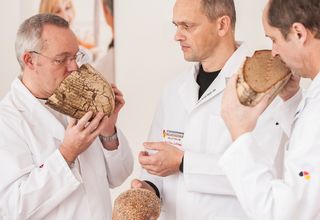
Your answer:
<point x="119" y="101"/>
<point x="146" y="160"/>
<point x="263" y="104"/>
<point x="154" y="173"/>
<point x="84" y="120"/>
<point x="135" y="183"/>
<point x="153" y="145"/>
<point x="72" y="122"/>
<point x="119" y="98"/>
<point x="116" y="90"/>
<point x="93" y="125"/>
<point x="230" y="94"/>
<point x="144" y="153"/>
<point x="232" y="81"/>
<point x="151" y="168"/>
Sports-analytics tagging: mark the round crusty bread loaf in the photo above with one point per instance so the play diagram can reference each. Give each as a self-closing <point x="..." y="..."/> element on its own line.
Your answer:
<point x="136" y="204"/>
<point x="260" y="74"/>
<point x="83" y="90"/>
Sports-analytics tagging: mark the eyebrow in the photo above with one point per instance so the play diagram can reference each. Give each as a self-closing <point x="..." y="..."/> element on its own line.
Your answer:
<point x="183" y="23"/>
<point x="66" y="53"/>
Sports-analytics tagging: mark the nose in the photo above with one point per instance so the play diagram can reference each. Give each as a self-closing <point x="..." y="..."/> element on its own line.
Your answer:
<point x="179" y="35"/>
<point x="72" y="66"/>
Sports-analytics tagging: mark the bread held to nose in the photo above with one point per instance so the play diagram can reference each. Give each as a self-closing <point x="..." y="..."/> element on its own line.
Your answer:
<point x="259" y="75"/>
<point x="82" y="91"/>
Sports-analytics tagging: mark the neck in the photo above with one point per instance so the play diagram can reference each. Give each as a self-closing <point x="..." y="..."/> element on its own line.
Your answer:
<point x="220" y="56"/>
<point x="311" y="60"/>
<point x="32" y="86"/>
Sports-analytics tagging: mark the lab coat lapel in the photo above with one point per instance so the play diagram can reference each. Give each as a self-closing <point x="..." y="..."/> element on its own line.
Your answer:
<point x="189" y="89"/>
<point x="39" y="117"/>
<point x="231" y="67"/>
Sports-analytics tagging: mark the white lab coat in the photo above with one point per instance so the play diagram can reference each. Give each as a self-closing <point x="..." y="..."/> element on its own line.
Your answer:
<point x="202" y="191"/>
<point x="295" y="196"/>
<point x="36" y="182"/>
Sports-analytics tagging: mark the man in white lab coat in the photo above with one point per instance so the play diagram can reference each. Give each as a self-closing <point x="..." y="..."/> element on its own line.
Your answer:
<point x="52" y="167"/>
<point x="188" y="134"/>
<point x="294" y="27"/>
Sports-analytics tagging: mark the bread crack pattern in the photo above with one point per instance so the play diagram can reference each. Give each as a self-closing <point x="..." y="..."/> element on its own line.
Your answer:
<point x="82" y="91"/>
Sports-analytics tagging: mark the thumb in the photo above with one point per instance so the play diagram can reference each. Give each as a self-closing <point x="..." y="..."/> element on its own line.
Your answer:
<point x="135" y="183"/>
<point x="263" y="104"/>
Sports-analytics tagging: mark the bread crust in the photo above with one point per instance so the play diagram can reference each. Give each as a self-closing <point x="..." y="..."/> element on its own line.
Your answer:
<point x="268" y="76"/>
<point x="136" y="204"/>
<point x="82" y="91"/>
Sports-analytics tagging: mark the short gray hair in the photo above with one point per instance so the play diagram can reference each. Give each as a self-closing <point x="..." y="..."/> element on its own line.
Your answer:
<point x="217" y="8"/>
<point x="109" y="4"/>
<point x="30" y="31"/>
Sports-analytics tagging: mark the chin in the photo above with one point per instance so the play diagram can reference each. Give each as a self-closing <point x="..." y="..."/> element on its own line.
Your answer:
<point x="190" y="58"/>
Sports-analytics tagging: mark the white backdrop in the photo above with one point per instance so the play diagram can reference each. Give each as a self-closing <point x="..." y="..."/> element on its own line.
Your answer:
<point x="146" y="55"/>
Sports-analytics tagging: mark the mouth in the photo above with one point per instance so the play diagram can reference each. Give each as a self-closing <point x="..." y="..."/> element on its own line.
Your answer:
<point x="184" y="47"/>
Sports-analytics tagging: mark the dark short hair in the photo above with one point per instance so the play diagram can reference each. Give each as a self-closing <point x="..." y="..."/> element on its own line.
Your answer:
<point x="30" y="32"/>
<point x="283" y="13"/>
<point x="217" y="8"/>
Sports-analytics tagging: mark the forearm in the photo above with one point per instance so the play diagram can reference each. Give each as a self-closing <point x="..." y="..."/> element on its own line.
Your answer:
<point x="119" y="162"/>
<point x="261" y="194"/>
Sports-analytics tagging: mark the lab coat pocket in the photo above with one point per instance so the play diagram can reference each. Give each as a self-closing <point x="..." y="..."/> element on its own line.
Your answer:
<point x="218" y="138"/>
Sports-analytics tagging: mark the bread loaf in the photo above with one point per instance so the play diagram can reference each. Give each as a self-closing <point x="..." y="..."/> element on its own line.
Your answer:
<point x="259" y="75"/>
<point x="82" y="91"/>
<point x="136" y="204"/>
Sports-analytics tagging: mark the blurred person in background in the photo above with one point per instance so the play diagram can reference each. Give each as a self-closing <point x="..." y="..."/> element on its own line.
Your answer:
<point x="66" y="10"/>
<point x="105" y="64"/>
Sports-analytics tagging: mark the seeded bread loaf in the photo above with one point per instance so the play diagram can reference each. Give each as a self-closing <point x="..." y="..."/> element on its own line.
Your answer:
<point x="82" y="91"/>
<point x="136" y="204"/>
<point x="259" y="75"/>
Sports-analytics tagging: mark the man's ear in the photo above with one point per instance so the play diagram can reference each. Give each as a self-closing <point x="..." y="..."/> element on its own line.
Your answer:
<point x="28" y="60"/>
<point x="299" y="32"/>
<point x="224" y="25"/>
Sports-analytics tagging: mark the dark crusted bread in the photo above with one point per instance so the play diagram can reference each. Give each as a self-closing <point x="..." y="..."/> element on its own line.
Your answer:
<point x="260" y="74"/>
<point x="136" y="204"/>
<point x="82" y="91"/>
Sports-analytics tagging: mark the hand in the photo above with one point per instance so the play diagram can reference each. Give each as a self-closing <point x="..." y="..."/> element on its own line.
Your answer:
<point x="135" y="183"/>
<point x="79" y="135"/>
<point x="164" y="162"/>
<point x="108" y="124"/>
<point x="238" y="118"/>
<point x="291" y="88"/>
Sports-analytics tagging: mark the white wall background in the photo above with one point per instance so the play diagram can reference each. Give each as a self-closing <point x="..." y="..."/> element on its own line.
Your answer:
<point x="146" y="55"/>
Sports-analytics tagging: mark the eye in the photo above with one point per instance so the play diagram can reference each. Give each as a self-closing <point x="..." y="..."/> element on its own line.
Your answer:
<point x="60" y="60"/>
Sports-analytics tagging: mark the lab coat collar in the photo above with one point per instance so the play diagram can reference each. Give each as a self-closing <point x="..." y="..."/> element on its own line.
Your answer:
<point x="312" y="92"/>
<point x="28" y="105"/>
<point x="189" y="90"/>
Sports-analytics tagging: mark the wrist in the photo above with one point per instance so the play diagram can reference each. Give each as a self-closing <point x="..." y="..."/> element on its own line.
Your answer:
<point x="110" y="138"/>
<point x="67" y="156"/>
